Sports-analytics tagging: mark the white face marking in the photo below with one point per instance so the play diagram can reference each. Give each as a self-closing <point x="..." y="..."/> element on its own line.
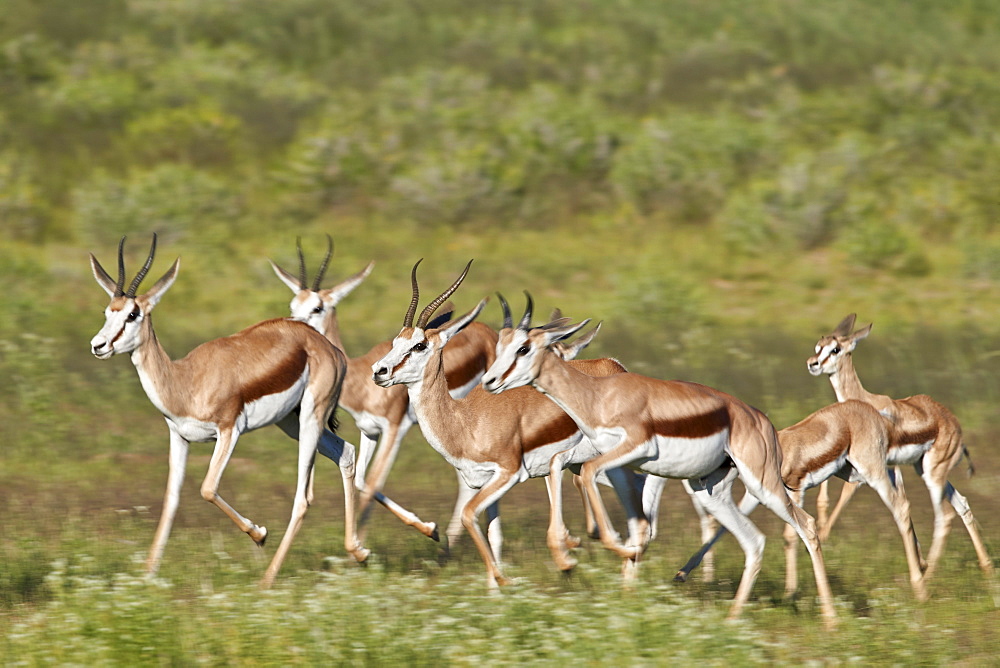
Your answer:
<point x="309" y="307"/>
<point x="120" y="333"/>
<point x="514" y="364"/>
<point x="405" y="363"/>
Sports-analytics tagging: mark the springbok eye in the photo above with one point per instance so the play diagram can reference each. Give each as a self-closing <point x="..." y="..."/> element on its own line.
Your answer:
<point x="420" y="347"/>
<point x="318" y="309"/>
<point x="134" y="314"/>
<point x="835" y="351"/>
<point x="523" y="350"/>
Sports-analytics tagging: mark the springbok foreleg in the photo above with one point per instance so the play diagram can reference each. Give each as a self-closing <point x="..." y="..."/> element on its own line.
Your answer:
<point x="224" y="446"/>
<point x="558" y="537"/>
<point x="372" y="485"/>
<point x="588" y="512"/>
<point x="488" y="495"/>
<point x="171" y="499"/>
<point x="617" y="457"/>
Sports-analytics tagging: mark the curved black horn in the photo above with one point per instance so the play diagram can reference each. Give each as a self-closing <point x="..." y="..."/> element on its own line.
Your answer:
<point x="302" y="264"/>
<point x="408" y="320"/>
<point x="326" y="261"/>
<point x="142" y="272"/>
<point x="428" y="311"/>
<point x="526" y="320"/>
<point x="508" y="319"/>
<point x="120" y="285"/>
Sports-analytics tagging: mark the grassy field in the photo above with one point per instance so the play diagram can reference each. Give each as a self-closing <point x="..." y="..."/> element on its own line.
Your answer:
<point x="720" y="184"/>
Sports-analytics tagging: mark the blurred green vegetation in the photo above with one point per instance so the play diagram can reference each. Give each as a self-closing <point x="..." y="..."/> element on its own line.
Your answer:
<point x="720" y="182"/>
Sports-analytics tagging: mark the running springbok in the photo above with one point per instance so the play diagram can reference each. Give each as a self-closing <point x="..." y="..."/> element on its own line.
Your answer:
<point x="672" y="429"/>
<point x="927" y="435"/>
<point x="850" y="440"/>
<point x="382" y="414"/>
<point x="494" y="442"/>
<point x="275" y="372"/>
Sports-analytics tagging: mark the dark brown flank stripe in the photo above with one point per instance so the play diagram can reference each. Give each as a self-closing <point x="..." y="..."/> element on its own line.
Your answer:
<point x="460" y="376"/>
<point x="693" y="426"/>
<point x="915" y="437"/>
<point x="559" y="429"/>
<point x="280" y="377"/>
<point x="832" y="453"/>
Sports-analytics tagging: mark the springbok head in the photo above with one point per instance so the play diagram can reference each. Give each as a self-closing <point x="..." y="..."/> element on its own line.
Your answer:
<point x="831" y="349"/>
<point x="416" y="344"/>
<point x="126" y="319"/>
<point x="311" y="304"/>
<point x="520" y="349"/>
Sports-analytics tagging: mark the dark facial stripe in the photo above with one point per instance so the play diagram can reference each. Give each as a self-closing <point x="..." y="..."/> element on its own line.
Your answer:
<point x="693" y="426"/>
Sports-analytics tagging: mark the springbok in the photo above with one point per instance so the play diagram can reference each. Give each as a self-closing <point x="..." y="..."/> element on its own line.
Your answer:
<point x="672" y="429"/>
<point x="275" y="372"/>
<point x="851" y="441"/>
<point x="494" y="442"/>
<point x="927" y="435"/>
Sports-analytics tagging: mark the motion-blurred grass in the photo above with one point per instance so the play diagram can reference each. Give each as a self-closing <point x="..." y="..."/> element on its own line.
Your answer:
<point x="719" y="183"/>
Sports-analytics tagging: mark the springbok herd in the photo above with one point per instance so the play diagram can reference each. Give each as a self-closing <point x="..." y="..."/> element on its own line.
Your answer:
<point x="502" y="407"/>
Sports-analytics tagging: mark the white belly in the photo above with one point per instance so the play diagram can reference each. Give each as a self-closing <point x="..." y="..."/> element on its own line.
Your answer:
<point x="908" y="454"/>
<point x="686" y="457"/>
<point x="194" y="431"/>
<point x="271" y="408"/>
<point x="369" y="424"/>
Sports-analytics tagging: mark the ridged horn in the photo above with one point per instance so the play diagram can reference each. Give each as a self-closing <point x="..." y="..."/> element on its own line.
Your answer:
<point x="430" y="308"/>
<point x="525" y="323"/>
<point x="508" y="319"/>
<point x="120" y="285"/>
<point x="142" y="272"/>
<point x="326" y="261"/>
<point x="408" y="319"/>
<point x="302" y="263"/>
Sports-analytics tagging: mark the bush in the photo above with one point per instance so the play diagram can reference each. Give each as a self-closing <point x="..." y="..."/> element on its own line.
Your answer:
<point x="173" y="200"/>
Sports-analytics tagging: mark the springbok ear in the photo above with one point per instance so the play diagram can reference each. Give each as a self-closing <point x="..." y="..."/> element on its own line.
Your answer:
<point x="559" y="333"/>
<point x="346" y="286"/>
<point x="456" y="326"/>
<point x="862" y="333"/>
<point x="574" y="349"/>
<point x="102" y="277"/>
<point x="159" y="288"/>
<point x="845" y="326"/>
<point x="291" y="281"/>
